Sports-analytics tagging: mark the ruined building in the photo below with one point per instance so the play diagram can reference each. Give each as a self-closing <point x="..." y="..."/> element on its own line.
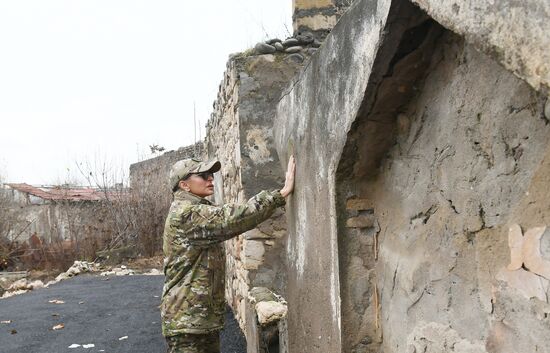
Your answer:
<point x="421" y="133"/>
<point x="53" y="213"/>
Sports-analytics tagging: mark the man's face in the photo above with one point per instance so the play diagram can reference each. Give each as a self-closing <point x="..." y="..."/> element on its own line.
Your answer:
<point x="200" y="184"/>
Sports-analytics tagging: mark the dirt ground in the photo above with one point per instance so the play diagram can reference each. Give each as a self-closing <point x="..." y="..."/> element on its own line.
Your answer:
<point x="146" y="263"/>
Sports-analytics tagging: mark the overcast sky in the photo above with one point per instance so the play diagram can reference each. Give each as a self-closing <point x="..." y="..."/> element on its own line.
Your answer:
<point x="84" y="80"/>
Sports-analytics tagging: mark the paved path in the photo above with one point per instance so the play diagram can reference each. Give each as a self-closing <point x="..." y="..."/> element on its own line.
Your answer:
<point x="96" y="311"/>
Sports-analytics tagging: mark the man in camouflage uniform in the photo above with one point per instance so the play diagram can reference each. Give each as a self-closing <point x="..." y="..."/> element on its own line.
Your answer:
<point x="193" y="300"/>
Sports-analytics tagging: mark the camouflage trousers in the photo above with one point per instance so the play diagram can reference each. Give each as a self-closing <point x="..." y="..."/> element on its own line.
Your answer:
<point x="190" y="343"/>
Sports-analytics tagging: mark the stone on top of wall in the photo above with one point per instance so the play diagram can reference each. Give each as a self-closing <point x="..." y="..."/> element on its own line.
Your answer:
<point x="292" y="50"/>
<point x="299" y="43"/>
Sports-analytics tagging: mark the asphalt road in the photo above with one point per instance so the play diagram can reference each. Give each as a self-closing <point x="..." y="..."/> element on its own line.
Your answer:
<point x="95" y="311"/>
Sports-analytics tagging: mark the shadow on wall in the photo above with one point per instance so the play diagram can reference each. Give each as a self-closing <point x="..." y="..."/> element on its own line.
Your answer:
<point x="398" y="75"/>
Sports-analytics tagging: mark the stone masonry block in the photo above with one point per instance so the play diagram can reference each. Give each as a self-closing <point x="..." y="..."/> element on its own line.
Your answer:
<point x="364" y="221"/>
<point x="359" y="204"/>
<point x="315" y="23"/>
<point x="253" y="254"/>
<point x="311" y="4"/>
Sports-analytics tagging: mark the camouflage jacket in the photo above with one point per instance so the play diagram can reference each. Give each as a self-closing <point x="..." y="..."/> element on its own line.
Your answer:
<point x="194" y="259"/>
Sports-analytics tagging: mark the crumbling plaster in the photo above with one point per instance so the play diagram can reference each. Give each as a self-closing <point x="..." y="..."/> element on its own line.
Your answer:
<point x="313" y="118"/>
<point x="323" y="105"/>
<point x="514" y="32"/>
<point x="444" y="197"/>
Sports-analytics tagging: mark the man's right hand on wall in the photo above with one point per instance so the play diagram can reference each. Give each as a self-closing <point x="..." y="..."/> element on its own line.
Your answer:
<point x="289" y="177"/>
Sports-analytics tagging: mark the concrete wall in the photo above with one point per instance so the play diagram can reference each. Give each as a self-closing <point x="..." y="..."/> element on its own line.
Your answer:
<point x="26" y="215"/>
<point x="458" y="177"/>
<point x="416" y="155"/>
<point x="312" y="121"/>
<point x="514" y="33"/>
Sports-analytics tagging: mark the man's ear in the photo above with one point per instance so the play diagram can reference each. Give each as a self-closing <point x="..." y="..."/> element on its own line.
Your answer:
<point x="183" y="185"/>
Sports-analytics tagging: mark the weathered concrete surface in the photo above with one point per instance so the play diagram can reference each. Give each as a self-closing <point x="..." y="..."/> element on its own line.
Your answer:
<point x="515" y="33"/>
<point x="440" y="149"/>
<point x="444" y="197"/>
<point x="313" y="118"/>
<point x="416" y="155"/>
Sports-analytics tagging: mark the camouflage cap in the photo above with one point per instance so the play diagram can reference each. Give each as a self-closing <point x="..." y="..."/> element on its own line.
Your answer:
<point x="182" y="168"/>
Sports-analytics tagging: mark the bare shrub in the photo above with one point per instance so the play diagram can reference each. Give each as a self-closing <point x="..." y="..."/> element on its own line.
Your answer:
<point x="116" y="220"/>
<point x="149" y="212"/>
<point x="133" y="214"/>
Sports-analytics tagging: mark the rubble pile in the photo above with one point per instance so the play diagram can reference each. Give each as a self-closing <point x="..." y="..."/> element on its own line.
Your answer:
<point x="118" y="271"/>
<point x="269" y="306"/>
<point x="154" y="272"/>
<point x="23" y="285"/>
<point x="77" y="268"/>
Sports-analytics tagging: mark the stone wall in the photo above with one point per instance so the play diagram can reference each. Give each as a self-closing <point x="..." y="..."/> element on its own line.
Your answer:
<point x="418" y="219"/>
<point x="149" y="174"/>
<point x="239" y="134"/>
